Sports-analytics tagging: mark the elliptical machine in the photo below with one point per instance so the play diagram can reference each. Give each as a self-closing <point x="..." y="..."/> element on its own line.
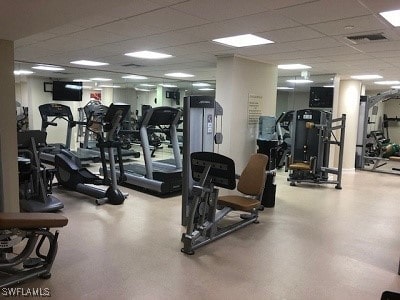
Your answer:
<point x="35" y="181"/>
<point x="72" y="175"/>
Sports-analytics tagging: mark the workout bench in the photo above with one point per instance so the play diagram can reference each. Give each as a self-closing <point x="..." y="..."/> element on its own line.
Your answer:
<point x="16" y="267"/>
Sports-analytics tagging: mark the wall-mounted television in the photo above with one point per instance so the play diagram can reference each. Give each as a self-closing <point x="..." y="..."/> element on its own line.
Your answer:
<point x="321" y="97"/>
<point x="67" y="91"/>
<point x="172" y="95"/>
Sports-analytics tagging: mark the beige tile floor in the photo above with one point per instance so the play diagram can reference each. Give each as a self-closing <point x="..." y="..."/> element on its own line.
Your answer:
<point x="316" y="243"/>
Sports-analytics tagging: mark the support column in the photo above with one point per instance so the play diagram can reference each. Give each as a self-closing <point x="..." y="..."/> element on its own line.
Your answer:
<point x="236" y="79"/>
<point x="349" y="104"/>
<point x="9" y="198"/>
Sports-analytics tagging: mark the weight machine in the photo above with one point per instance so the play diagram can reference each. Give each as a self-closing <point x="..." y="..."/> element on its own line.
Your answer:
<point x="312" y="135"/>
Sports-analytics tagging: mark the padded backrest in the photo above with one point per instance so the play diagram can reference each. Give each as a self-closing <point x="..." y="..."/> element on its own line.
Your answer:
<point x="221" y="173"/>
<point x="252" y="179"/>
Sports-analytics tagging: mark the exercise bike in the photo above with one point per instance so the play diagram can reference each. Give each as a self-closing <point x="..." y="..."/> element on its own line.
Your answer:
<point x="71" y="174"/>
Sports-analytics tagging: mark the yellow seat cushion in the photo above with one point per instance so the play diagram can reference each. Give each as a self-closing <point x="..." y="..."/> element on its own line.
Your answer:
<point x="238" y="202"/>
<point x="31" y="220"/>
<point x="300" y="166"/>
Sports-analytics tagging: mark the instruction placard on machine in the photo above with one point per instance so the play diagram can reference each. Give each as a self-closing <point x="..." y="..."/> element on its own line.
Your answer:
<point x="209" y="124"/>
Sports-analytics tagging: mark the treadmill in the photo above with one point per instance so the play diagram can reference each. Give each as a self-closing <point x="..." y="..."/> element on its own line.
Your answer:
<point x="157" y="176"/>
<point x="95" y="112"/>
<point x="51" y="112"/>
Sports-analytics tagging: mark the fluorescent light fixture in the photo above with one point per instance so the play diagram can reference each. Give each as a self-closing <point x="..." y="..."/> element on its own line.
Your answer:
<point x="168" y="85"/>
<point x="243" y="40"/>
<point x="97" y="89"/>
<point x="73" y="87"/>
<point x="109" y="86"/>
<point x="142" y="90"/>
<point x="396" y="87"/>
<point x="293" y="67"/>
<point x="89" y="63"/>
<point x="148" y="55"/>
<point x="23" y="72"/>
<point x="366" y="77"/>
<point x="81" y="80"/>
<point x="48" y="68"/>
<point x="147" y="84"/>
<point x="284" y="88"/>
<point x="134" y="77"/>
<point x="100" y="79"/>
<point x="387" y="82"/>
<point x="299" y="81"/>
<point x="206" y="89"/>
<point x="200" y="84"/>
<point x="392" y="16"/>
<point x="87" y="87"/>
<point x="329" y="86"/>
<point x="179" y="75"/>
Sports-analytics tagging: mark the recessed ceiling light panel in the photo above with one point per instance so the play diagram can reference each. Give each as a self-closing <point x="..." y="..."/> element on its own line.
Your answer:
<point x="100" y="79"/>
<point x="284" y="88"/>
<point x="148" y="55"/>
<point x="109" y="86"/>
<point x="206" y="89"/>
<point x="23" y="72"/>
<point x="134" y="77"/>
<point x="89" y="63"/>
<point x="392" y="16"/>
<point x="299" y="81"/>
<point x="387" y="82"/>
<point x="179" y="75"/>
<point x="293" y="67"/>
<point x="168" y="85"/>
<point x="367" y="77"/>
<point x="48" y="68"/>
<point x="81" y="80"/>
<point x="243" y="40"/>
<point x="146" y="84"/>
<point x="200" y="84"/>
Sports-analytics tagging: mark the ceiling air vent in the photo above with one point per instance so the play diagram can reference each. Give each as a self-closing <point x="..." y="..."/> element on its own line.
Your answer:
<point x="358" y="39"/>
<point x="133" y="65"/>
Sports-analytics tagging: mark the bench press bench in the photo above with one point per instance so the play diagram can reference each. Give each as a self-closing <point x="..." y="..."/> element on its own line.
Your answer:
<point x="16" y="262"/>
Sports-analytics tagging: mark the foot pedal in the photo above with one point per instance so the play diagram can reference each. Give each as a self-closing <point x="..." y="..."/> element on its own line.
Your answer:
<point x="32" y="262"/>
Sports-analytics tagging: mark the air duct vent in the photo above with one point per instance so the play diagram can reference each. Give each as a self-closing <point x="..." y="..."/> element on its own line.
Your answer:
<point x="133" y="65"/>
<point x="365" y="38"/>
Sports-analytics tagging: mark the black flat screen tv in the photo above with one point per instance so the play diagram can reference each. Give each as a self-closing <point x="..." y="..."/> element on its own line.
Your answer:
<point x="67" y="91"/>
<point x="321" y="97"/>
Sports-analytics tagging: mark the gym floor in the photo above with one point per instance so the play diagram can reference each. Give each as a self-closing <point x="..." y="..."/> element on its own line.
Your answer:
<point x="316" y="243"/>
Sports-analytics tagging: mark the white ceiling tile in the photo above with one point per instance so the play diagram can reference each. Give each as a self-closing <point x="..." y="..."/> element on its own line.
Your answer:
<point x="379" y="46"/>
<point x="324" y="10"/>
<point x="360" y="24"/>
<point x="312" y="44"/>
<point x="260" y="22"/>
<point x="32" y="53"/>
<point x="97" y="36"/>
<point x="66" y="44"/>
<point x="216" y="10"/>
<point x="131" y="28"/>
<point x="32" y="39"/>
<point x="293" y="34"/>
<point x="168" y="19"/>
<point x="379" y="6"/>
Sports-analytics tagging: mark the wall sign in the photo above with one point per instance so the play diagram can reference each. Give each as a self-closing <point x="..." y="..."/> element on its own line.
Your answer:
<point x="254" y="109"/>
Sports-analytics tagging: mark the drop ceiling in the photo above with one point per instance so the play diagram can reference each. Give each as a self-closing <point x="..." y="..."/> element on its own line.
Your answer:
<point x="305" y="31"/>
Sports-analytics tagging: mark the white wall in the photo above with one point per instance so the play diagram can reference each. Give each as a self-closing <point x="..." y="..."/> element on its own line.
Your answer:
<point x="9" y="198"/>
<point x="236" y="79"/>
